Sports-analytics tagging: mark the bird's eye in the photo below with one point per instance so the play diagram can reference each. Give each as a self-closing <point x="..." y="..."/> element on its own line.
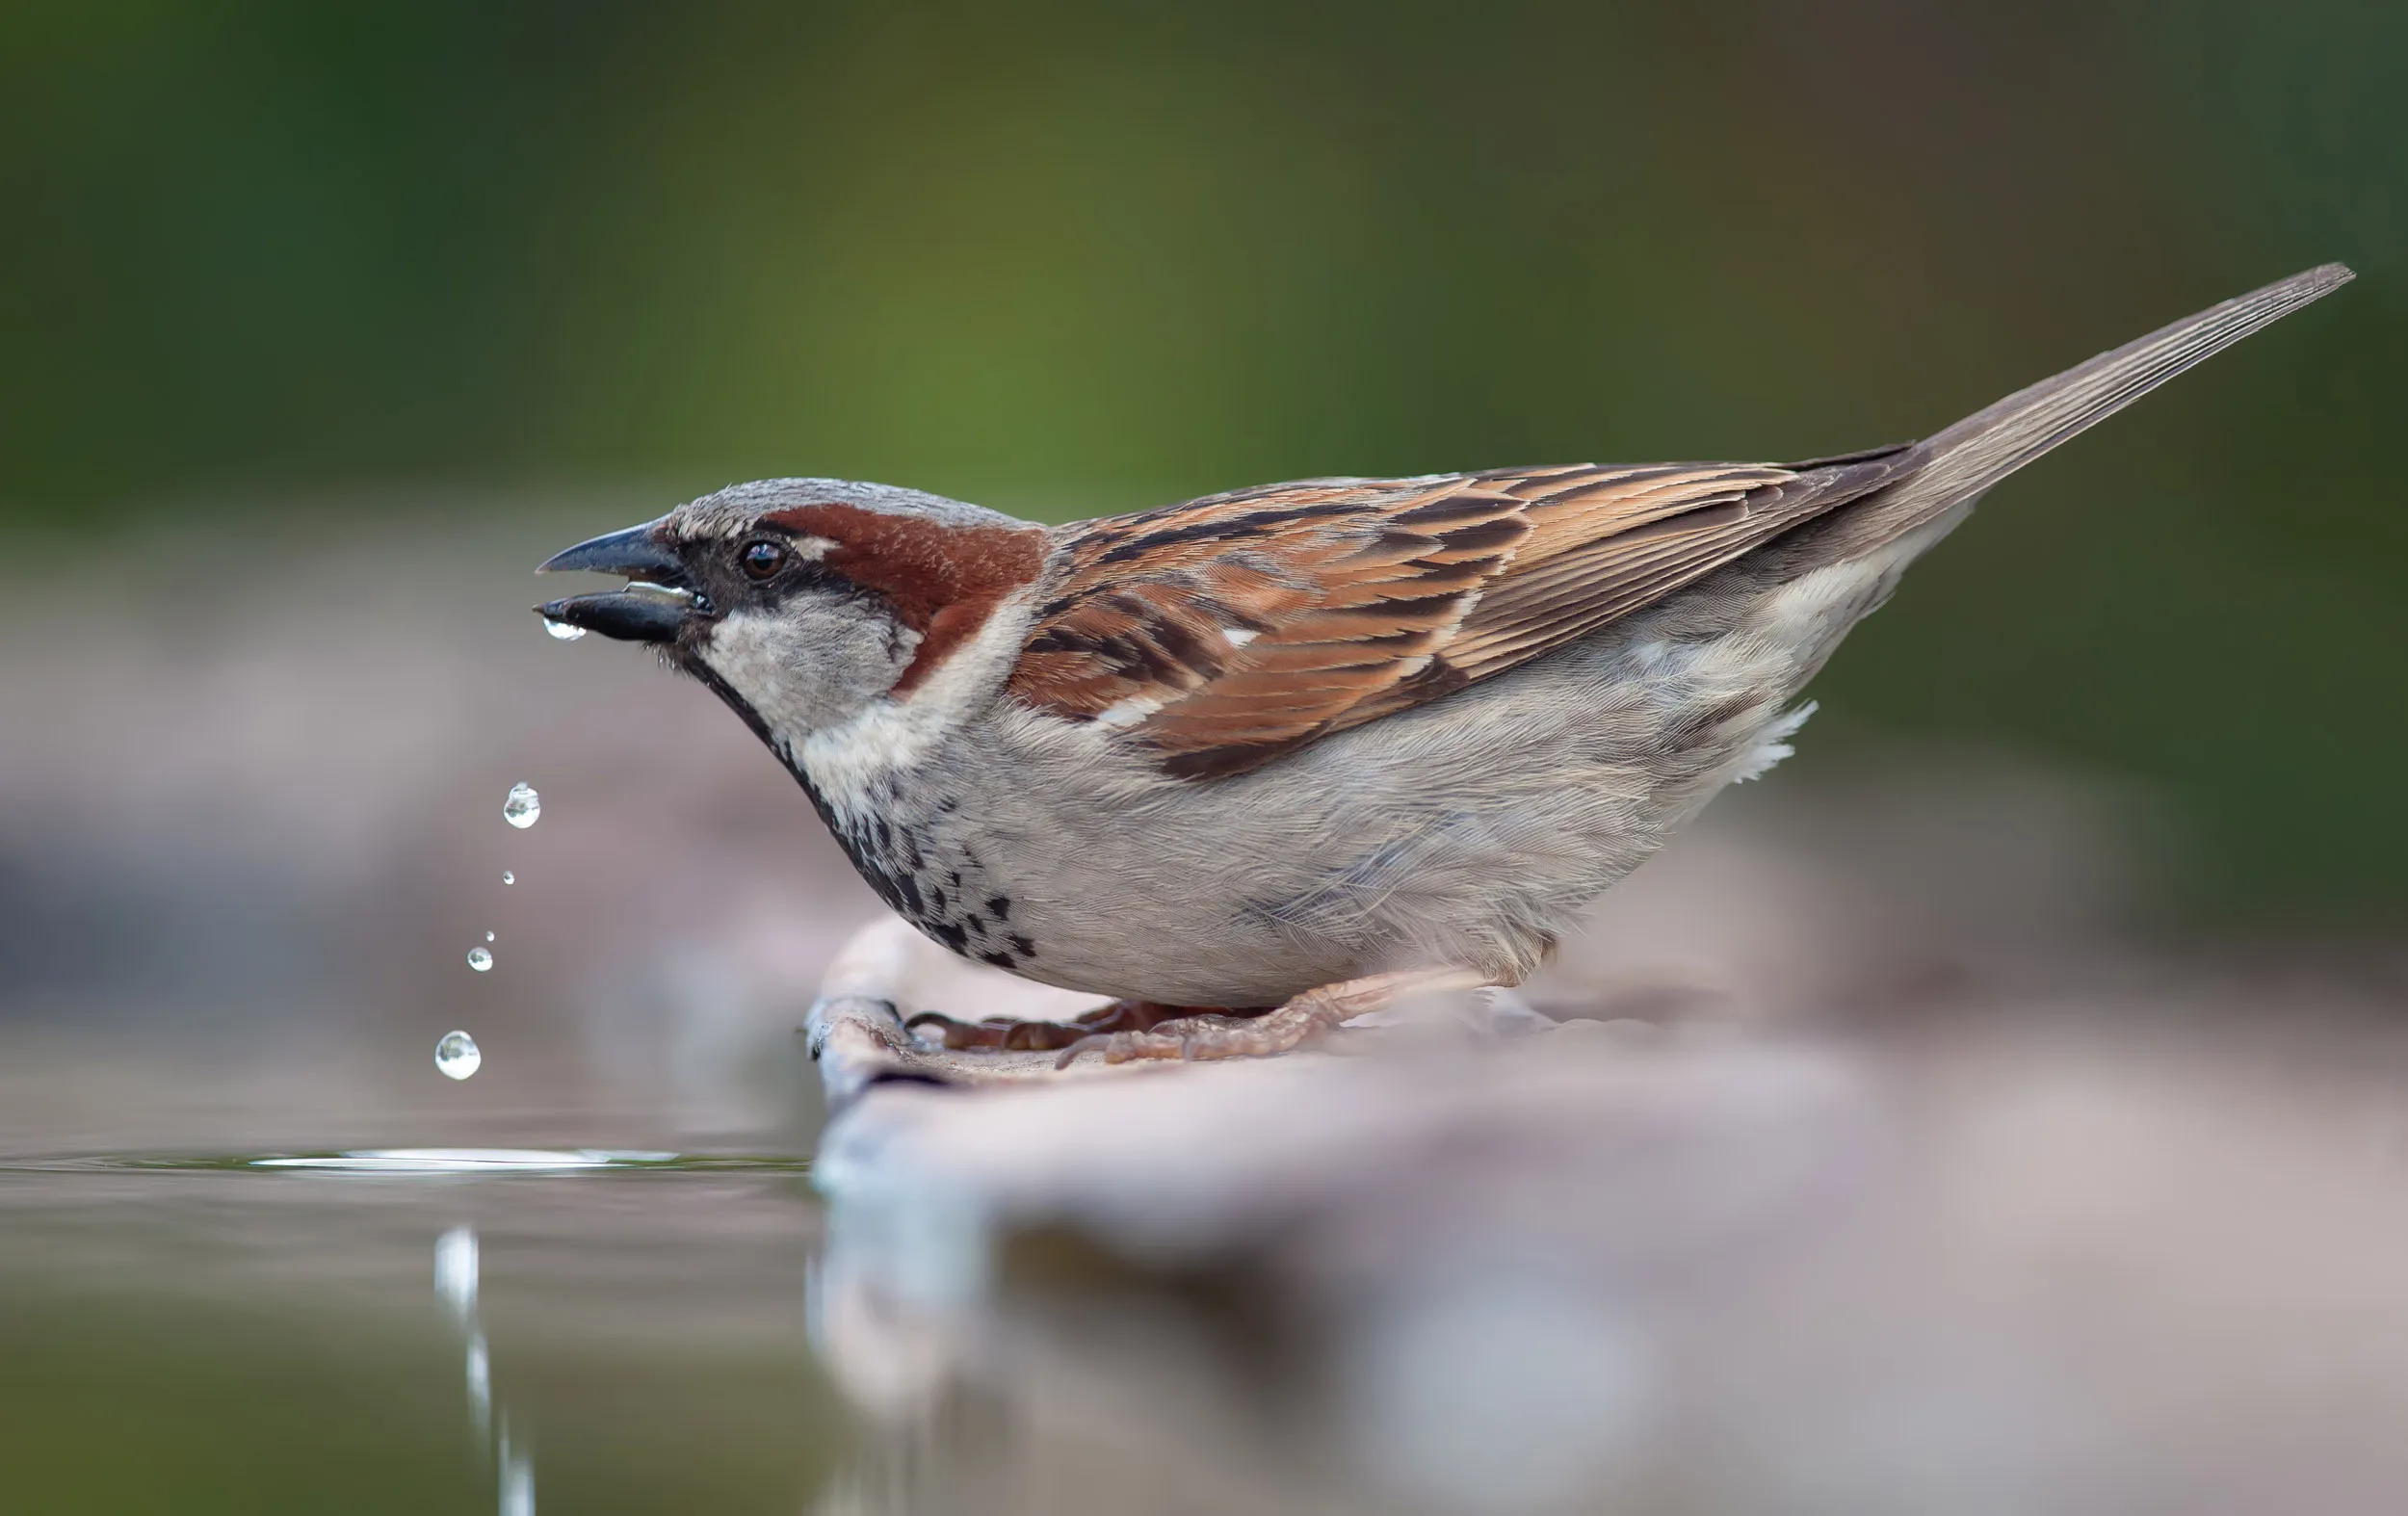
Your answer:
<point x="762" y="559"/>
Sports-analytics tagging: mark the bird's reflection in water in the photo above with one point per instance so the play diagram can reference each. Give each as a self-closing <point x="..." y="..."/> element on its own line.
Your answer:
<point x="456" y="1281"/>
<point x="1080" y="1382"/>
<point x="1713" y="1277"/>
<point x="1464" y="1317"/>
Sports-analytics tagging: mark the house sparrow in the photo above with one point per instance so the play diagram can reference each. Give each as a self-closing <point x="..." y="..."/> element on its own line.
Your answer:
<point x="1269" y="760"/>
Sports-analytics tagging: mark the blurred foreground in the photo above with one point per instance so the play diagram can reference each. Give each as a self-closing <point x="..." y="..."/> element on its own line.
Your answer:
<point x="1889" y="1158"/>
<point x="2094" y="1251"/>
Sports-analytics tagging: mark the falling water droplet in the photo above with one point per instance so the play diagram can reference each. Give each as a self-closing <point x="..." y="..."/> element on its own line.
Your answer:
<point x="509" y="878"/>
<point x="518" y="1485"/>
<point x="523" y="806"/>
<point x="456" y="1265"/>
<point x="479" y="1380"/>
<point x="488" y="936"/>
<point x="480" y="960"/>
<point x="456" y="1054"/>
<point x="561" y="631"/>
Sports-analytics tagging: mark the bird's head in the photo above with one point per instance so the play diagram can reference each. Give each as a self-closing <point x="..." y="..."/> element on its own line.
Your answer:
<point x="802" y="600"/>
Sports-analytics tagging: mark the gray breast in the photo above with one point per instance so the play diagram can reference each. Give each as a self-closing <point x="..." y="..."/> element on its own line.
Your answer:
<point x="929" y="874"/>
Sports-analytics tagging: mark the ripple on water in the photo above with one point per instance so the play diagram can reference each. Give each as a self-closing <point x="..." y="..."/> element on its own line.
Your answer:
<point x="439" y="1161"/>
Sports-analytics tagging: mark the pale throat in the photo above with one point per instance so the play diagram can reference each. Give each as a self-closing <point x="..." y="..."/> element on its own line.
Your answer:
<point x="887" y="739"/>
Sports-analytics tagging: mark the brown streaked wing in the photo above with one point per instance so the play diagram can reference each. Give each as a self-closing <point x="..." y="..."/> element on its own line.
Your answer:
<point x="1227" y="631"/>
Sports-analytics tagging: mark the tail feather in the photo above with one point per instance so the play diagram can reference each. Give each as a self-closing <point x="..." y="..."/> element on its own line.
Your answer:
<point x="1950" y="468"/>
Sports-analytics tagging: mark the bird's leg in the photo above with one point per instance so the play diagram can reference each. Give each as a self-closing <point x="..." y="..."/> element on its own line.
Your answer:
<point x="1309" y="1015"/>
<point x="1006" y="1034"/>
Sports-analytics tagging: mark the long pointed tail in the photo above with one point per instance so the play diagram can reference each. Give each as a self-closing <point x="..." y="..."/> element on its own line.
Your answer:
<point x="1950" y="468"/>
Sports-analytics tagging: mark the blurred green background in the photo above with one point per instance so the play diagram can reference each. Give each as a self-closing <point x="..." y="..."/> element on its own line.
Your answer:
<point x="270" y="259"/>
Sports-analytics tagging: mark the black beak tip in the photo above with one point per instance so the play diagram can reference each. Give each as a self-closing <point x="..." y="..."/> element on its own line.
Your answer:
<point x="634" y="615"/>
<point x="564" y="560"/>
<point x="626" y="616"/>
<point x="633" y="552"/>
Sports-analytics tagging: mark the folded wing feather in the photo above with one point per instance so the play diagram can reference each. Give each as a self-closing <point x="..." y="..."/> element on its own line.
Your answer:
<point x="1222" y="633"/>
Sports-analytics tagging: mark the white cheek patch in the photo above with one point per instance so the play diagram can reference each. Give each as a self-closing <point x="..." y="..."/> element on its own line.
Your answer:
<point x="847" y="759"/>
<point x="743" y="651"/>
<point x="812" y="548"/>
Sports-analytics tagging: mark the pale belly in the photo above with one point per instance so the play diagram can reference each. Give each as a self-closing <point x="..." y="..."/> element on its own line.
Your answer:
<point x="1468" y="833"/>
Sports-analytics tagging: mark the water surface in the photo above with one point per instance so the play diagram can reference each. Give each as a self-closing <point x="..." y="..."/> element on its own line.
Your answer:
<point x="189" y="1334"/>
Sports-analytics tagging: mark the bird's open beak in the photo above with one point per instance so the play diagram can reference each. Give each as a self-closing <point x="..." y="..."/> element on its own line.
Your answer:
<point x="649" y="610"/>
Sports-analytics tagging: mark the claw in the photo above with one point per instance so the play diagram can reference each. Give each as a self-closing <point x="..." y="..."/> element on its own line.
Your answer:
<point x="953" y="1034"/>
<point x="1115" y="1046"/>
<point x="1194" y="1039"/>
<point x="1312" y="1014"/>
